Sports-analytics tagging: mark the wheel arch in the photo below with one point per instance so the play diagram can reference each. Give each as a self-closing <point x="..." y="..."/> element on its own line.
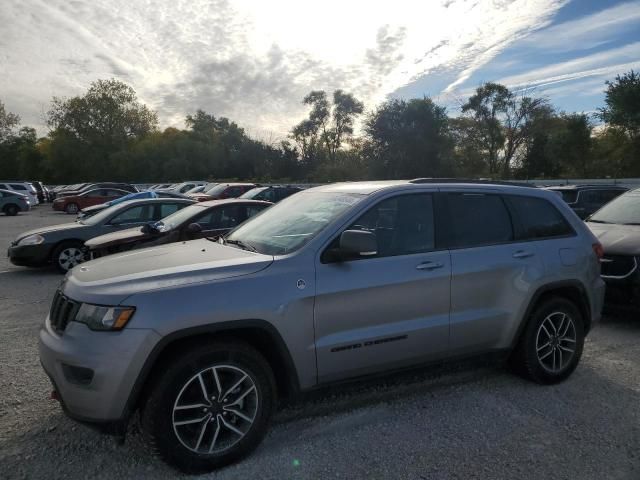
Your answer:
<point x="260" y="334"/>
<point x="572" y="290"/>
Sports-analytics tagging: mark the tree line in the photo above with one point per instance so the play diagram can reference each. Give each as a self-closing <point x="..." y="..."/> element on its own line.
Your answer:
<point x="108" y="134"/>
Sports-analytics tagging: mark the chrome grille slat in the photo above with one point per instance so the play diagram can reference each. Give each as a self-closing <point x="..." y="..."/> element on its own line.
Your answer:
<point x="63" y="310"/>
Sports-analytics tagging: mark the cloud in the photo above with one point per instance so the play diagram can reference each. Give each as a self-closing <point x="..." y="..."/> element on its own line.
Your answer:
<point x="250" y="60"/>
<point x="587" y="32"/>
<point x="605" y="63"/>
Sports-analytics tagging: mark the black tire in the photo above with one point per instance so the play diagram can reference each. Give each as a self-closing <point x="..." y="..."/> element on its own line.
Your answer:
<point x="544" y="364"/>
<point x="67" y="247"/>
<point x="158" y="414"/>
<point x="71" y="208"/>
<point x="11" y="210"/>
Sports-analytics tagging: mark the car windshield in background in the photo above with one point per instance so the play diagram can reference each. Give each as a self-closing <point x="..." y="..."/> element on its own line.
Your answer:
<point x="253" y="192"/>
<point x="101" y="216"/>
<point x="172" y="221"/>
<point x="217" y="189"/>
<point x="290" y="224"/>
<point x="569" y="196"/>
<point x="623" y="210"/>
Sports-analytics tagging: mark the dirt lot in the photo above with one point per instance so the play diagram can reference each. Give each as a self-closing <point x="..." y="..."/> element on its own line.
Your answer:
<point x="464" y="422"/>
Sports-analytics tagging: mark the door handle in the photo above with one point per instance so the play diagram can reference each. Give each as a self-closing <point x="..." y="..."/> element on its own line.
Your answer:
<point x="523" y="254"/>
<point x="429" y="266"/>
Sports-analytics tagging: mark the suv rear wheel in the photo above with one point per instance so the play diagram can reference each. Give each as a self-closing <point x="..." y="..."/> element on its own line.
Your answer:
<point x="551" y="345"/>
<point x="211" y="407"/>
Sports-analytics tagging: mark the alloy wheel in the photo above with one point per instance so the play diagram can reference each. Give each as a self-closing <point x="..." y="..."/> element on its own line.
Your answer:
<point x="556" y="342"/>
<point x="215" y="409"/>
<point x="70" y="257"/>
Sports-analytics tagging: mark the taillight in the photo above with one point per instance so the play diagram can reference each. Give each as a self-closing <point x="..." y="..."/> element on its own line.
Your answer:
<point x="598" y="250"/>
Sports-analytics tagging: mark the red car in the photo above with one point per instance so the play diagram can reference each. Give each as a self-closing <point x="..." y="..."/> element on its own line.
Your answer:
<point x="74" y="203"/>
<point x="224" y="190"/>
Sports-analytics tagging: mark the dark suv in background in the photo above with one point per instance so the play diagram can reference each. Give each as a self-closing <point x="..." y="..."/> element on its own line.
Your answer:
<point x="587" y="199"/>
<point x="617" y="226"/>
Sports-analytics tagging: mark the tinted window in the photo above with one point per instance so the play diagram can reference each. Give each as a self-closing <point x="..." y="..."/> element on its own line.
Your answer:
<point x="137" y="214"/>
<point x="537" y="218"/>
<point x="94" y="193"/>
<point x="167" y="209"/>
<point x="254" y="210"/>
<point x="478" y="219"/>
<point x="403" y="225"/>
<point x="598" y="197"/>
<point x="113" y="193"/>
<point x="17" y="187"/>
<point x="569" y="196"/>
<point x="233" y="192"/>
<point x="222" y="217"/>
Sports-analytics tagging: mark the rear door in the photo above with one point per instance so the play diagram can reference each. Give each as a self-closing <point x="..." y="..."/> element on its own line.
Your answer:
<point x="491" y="271"/>
<point x="389" y="310"/>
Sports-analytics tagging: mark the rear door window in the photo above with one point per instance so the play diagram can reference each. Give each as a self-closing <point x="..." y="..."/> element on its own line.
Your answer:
<point x="17" y="186"/>
<point x="166" y="209"/>
<point x="478" y="219"/>
<point x="536" y="218"/>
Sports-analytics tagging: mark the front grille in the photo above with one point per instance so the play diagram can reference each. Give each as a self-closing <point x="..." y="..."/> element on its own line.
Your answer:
<point x="63" y="310"/>
<point x="617" y="266"/>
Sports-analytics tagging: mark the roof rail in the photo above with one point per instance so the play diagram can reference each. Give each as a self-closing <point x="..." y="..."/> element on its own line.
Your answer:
<point x="471" y="180"/>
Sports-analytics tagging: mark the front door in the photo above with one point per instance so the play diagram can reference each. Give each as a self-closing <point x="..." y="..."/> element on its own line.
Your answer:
<point x="392" y="309"/>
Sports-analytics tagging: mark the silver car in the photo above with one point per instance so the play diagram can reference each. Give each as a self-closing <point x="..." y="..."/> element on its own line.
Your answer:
<point x="333" y="283"/>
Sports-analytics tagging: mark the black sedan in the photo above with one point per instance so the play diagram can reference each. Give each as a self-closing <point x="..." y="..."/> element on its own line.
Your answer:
<point x="62" y="244"/>
<point x="204" y="219"/>
<point x="617" y="226"/>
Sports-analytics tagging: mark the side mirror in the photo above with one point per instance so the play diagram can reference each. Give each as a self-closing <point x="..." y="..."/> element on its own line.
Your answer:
<point x="358" y="243"/>
<point x="194" y="228"/>
<point x="148" y="228"/>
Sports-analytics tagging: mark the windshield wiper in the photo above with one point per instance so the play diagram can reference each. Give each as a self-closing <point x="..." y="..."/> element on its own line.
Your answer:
<point x="597" y="221"/>
<point x="632" y="223"/>
<point x="241" y="244"/>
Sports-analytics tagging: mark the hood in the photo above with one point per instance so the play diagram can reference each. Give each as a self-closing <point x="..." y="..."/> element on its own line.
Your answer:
<point x="123" y="236"/>
<point x="51" y="229"/>
<point x="113" y="278"/>
<point x="617" y="239"/>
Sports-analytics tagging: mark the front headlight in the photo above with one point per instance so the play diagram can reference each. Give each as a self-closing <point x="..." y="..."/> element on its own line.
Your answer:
<point x="97" y="317"/>
<point x="31" y="240"/>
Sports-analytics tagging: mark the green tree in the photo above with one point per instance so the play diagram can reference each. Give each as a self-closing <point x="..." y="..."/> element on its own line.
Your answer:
<point x="8" y="121"/>
<point x="503" y="120"/>
<point x="409" y="139"/>
<point x="622" y="104"/>
<point x="100" y="123"/>
<point x="328" y="128"/>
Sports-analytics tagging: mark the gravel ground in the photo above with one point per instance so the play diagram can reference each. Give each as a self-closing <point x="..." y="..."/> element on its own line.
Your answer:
<point x="471" y="421"/>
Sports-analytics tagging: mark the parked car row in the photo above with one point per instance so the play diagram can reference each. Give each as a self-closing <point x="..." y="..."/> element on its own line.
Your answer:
<point x="222" y="306"/>
<point x="35" y="192"/>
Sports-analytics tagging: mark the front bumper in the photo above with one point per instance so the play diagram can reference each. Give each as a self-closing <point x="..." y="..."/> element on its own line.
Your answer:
<point x="623" y="293"/>
<point x="114" y="360"/>
<point x="29" y="255"/>
<point x="58" y="206"/>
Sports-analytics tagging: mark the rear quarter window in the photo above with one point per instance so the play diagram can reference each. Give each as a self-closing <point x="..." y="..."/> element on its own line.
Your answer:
<point x="537" y="218"/>
<point x="478" y="219"/>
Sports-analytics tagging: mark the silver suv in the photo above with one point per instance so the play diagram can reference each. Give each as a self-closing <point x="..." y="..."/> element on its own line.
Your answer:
<point x="333" y="283"/>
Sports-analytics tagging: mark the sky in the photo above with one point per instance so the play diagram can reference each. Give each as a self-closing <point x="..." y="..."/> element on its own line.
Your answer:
<point x="254" y="60"/>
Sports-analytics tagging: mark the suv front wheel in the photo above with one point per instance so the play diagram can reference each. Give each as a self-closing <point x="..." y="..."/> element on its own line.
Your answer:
<point x="211" y="407"/>
<point x="551" y="345"/>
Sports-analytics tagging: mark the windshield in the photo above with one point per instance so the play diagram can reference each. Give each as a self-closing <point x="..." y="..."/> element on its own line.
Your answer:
<point x="216" y="190"/>
<point x="290" y="224"/>
<point x="178" y="218"/>
<point x="254" y="192"/>
<point x="623" y="210"/>
<point x="101" y="216"/>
